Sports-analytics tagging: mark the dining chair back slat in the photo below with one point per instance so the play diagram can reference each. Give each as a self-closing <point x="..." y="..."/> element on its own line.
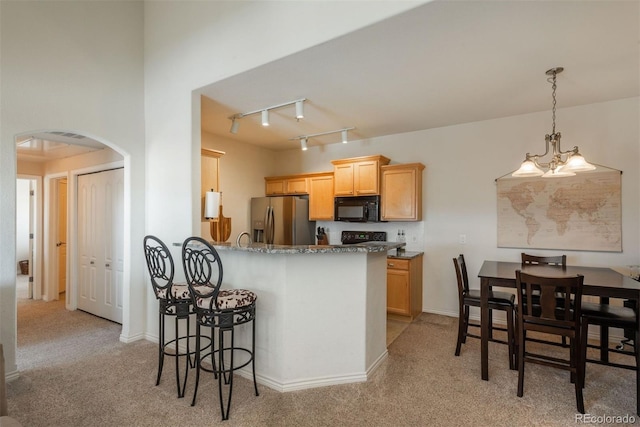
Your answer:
<point x="560" y="260"/>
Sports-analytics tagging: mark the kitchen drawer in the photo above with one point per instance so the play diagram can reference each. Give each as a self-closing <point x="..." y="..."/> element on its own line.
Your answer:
<point x="398" y="264"/>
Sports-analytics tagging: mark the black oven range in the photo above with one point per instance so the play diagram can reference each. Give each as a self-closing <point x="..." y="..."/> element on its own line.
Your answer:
<point x="354" y="237"/>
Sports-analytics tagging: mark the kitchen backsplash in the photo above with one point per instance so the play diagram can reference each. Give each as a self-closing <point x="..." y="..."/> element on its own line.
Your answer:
<point x="413" y="231"/>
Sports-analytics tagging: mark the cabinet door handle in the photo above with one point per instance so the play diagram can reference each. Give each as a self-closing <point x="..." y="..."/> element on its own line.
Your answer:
<point x="106" y="265"/>
<point x="391" y="264"/>
<point x="92" y="263"/>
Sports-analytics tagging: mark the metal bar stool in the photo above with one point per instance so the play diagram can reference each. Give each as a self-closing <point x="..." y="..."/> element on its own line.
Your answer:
<point x="221" y="311"/>
<point x="174" y="301"/>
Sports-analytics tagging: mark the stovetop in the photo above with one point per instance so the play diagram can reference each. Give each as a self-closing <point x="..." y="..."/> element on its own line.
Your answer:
<point x="353" y="237"/>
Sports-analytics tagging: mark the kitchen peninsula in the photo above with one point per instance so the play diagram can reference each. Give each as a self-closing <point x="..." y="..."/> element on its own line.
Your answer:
<point x="321" y="311"/>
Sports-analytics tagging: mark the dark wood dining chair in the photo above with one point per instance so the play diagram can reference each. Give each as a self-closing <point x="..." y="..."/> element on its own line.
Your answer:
<point x="550" y="317"/>
<point x="557" y="260"/>
<point x="503" y="301"/>
<point x="610" y="316"/>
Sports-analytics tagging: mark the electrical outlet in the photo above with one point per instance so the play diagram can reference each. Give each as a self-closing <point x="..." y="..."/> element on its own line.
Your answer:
<point x="462" y="239"/>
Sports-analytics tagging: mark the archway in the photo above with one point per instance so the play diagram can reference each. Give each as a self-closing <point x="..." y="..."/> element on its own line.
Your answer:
<point x="53" y="155"/>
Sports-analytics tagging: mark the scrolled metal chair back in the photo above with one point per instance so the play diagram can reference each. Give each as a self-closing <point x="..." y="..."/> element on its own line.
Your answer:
<point x="202" y="269"/>
<point x="160" y="265"/>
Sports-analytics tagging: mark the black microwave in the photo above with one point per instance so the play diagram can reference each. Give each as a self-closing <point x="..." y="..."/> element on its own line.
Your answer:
<point x="357" y="209"/>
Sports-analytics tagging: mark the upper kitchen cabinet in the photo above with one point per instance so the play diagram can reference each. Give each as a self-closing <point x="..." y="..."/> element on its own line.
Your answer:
<point x="358" y="176"/>
<point x="401" y="192"/>
<point x="285" y="185"/>
<point x="321" y="197"/>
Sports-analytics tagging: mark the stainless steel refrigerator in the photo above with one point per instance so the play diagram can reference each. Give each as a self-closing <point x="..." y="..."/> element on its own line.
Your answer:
<point x="281" y="221"/>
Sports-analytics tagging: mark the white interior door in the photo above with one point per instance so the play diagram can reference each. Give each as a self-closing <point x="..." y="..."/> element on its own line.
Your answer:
<point x="61" y="241"/>
<point x="101" y="243"/>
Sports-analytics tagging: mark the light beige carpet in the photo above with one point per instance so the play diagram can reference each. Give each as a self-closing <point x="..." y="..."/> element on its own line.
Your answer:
<point x="394" y="329"/>
<point x="74" y="372"/>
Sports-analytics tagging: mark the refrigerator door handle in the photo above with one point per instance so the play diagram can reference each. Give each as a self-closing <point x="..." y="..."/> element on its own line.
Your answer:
<point x="271" y="226"/>
<point x="266" y="224"/>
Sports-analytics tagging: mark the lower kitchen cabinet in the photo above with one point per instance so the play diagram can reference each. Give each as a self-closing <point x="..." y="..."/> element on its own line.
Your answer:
<point x="404" y="285"/>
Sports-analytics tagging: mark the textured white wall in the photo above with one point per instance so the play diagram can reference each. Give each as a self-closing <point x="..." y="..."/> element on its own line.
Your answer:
<point x="75" y="66"/>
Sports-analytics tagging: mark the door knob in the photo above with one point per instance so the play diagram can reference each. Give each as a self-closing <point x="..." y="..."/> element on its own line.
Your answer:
<point x="61" y="243"/>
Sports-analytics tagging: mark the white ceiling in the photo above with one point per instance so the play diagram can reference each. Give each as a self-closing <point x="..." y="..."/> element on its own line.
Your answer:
<point x="45" y="146"/>
<point x="440" y="64"/>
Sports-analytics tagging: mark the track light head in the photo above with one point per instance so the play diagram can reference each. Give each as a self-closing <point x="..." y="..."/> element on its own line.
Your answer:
<point x="300" y="109"/>
<point x="344" y="137"/>
<point x="235" y="124"/>
<point x="303" y="144"/>
<point x="265" y="117"/>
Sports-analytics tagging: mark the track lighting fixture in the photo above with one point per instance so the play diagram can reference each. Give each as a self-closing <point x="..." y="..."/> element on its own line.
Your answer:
<point x="299" y="105"/>
<point x="304" y="138"/>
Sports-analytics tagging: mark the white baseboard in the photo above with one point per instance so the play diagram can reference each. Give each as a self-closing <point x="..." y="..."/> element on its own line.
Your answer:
<point x="615" y="334"/>
<point x="308" y="383"/>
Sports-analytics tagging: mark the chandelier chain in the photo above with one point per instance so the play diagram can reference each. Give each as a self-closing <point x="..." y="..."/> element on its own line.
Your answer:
<point x="553" y="94"/>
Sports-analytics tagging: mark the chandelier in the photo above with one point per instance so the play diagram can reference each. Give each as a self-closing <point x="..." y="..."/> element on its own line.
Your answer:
<point x="562" y="163"/>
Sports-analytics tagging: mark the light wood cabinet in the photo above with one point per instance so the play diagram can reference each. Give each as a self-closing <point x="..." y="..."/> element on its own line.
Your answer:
<point x="273" y="187"/>
<point x="358" y="176"/>
<point x="343" y="179"/>
<point x="319" y="187"/>
<point x="285" y="185"/>
<point x="404" y="287"/>
<point x="401" y="192"/>
<point x="321" y="197"/>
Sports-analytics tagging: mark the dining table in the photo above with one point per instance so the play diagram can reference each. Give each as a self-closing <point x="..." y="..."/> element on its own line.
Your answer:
<point x="602" y="282"/>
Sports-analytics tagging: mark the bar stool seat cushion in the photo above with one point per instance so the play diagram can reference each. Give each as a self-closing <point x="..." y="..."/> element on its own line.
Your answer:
<point x="179" y="291"/>
<point x="230" y="299"/>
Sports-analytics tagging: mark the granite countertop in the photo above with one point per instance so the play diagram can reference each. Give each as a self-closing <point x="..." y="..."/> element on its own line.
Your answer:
<point x="404" y="255"/>
<point x="308" y="249"/>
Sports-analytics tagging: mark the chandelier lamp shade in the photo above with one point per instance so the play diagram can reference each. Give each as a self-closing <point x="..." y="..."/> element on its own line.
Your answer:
<point x="304" y="138"/>
<point x="562" y="163"/>
<point x="264" y="112"/>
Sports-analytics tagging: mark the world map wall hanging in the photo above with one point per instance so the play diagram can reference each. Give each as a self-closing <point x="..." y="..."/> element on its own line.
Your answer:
<point x="581" y="212"/>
